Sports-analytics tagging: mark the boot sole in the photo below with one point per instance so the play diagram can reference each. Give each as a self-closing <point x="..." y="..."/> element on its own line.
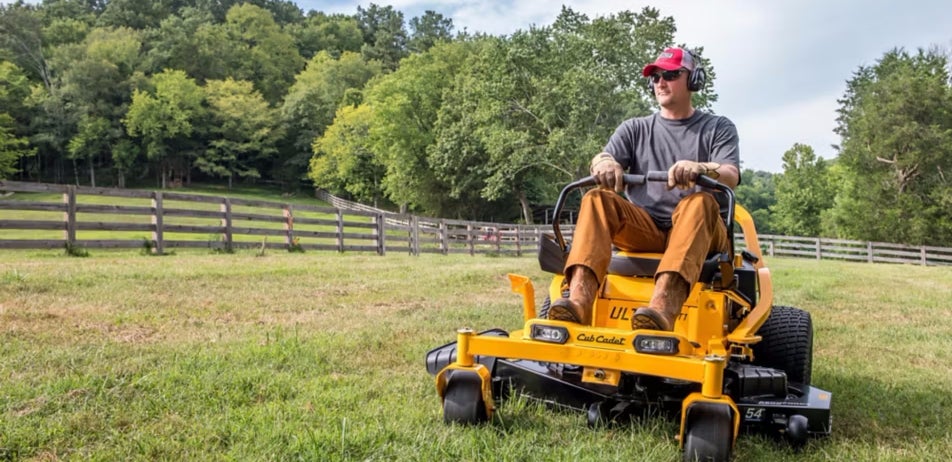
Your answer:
<point x="558" y="312"/>
<point x="648" y="319"/>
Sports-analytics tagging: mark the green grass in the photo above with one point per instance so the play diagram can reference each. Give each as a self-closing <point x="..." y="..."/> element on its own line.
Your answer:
<point x="319" y="356"/>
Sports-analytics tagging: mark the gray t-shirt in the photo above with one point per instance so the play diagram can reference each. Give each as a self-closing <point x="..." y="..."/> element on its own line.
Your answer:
<point x="649" y="143"/>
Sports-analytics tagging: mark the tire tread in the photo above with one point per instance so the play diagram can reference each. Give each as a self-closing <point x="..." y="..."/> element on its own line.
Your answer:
<point x="787" y="343"/>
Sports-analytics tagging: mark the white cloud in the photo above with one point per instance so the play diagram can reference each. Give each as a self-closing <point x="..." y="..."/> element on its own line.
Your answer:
<point x="767" y="132"/>
<point x="497" y="17"/>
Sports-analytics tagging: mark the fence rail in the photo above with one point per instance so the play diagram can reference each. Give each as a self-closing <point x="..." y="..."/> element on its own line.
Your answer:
<point x="162" y="220"/>
<point x="865" y="251"/>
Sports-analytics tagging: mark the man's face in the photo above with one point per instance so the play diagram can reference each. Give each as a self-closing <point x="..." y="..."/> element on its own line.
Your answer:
<point x="671" y="87"/>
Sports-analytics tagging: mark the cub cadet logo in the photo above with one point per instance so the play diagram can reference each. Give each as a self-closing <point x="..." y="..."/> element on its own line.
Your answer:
<point x="583" y="337"/>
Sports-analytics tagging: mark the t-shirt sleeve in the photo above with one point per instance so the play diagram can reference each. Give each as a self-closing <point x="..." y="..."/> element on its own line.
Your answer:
<point x="621" y="143"/>
<point x="725" y="148"/>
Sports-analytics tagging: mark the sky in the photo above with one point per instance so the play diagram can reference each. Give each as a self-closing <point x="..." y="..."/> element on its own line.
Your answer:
<point x="781" y="65"/>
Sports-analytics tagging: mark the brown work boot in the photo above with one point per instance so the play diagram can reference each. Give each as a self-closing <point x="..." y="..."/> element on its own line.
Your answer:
<point x="577" y="307"/>
<point x="650" y="318"/>
<point x="670" y="292"/>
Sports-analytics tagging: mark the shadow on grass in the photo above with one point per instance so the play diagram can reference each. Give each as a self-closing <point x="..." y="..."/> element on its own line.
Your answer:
<point x="871" y="418"/>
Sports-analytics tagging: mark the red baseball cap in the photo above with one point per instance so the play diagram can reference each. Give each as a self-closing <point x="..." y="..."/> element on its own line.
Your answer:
<point x="671" y="59"/>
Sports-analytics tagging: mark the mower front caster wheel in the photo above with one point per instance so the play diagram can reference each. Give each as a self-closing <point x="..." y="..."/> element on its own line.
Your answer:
<point x="708" y="437"/>
<point x="597" y="414"/>
<point x="797" y="430"/>
<point x="463" y="400"/>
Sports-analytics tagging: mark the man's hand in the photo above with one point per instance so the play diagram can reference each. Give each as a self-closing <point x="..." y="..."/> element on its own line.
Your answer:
<point x="607" y="172"/>
<point x="683" y="173"/>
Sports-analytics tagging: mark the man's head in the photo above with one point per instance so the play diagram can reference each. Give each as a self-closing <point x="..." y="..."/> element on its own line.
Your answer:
<point x="673" y="76"/>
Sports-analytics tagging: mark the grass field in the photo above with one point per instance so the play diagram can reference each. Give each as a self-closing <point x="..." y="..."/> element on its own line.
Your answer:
<point x="319" y="356"/>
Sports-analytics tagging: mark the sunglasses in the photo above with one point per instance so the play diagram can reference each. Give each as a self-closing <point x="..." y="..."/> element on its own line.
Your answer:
<point x="668" y="76"/>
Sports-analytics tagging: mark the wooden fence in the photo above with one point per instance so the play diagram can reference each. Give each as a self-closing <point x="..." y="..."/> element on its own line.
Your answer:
<point x="865" y="251"/>
<point x="83" y="217"/>
<point x="162" y="220"/>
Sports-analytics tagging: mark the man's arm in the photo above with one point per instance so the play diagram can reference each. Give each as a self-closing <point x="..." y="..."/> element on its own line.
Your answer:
<point x="729" y="175"/>
<point x="725" y="151"/>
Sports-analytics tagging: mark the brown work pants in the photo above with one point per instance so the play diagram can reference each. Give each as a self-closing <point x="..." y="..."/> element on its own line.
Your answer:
<point x="607" y="218"/>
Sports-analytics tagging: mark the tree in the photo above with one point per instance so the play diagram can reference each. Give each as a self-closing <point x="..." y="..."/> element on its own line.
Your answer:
<point x="385" y="37"/>
<point x="192" y="42"/>
<point x="97" y="77"/>
<point x="405" y="106"/>
<point x="428" y="30"/>
<point x="334" y="34"/>
<point x="21" y="35"/>
<point x="135" y="14"/>
<point x="312" y="101"/>
<point x="803" y="191"/>
<point x="65" y="30"/>
<point x="895" y="121"/>
<point x="14" y="87"/>
<point x="344" y="159"/>
<point x="244" y="130"/>
<point x="48" y="124"/>
<point x="164" y="119"/>
<point x="757" y="194"/>
<point x="265" y="54"/>
<point x="457" y="157"/>
<point x="12" y="148"/>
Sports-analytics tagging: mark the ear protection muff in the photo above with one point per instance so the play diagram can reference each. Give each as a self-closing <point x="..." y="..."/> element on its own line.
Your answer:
<point x="696" y="79"/>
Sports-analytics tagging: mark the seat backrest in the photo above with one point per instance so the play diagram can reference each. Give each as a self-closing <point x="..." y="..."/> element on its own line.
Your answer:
<point x="646" y="265"/>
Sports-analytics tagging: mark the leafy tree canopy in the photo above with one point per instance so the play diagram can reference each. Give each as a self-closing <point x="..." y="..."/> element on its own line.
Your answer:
<point x="896" y="122"/>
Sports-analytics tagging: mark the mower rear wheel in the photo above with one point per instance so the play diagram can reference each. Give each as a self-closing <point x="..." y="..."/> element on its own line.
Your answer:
<point x="463" y="400"/>
<point x="787" y="343"/>
<point x="708" y="437"/>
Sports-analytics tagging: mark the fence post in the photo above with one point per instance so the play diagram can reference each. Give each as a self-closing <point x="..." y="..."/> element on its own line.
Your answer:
<point x="69" y="198"/>
<point x="498" y="234"/>
<point x="288" y="212"/>
<point x="381" y="234"/>
<point x="869" y="251"/>
<point x="158" y="224"/>
<point x="226" y="223"/>
<point x="444" y="238"/>
<point x="518" y="241"/>
<point x="414" y="235"/>
<point x="819" y="252"/>
<point x="922" y="250"/>
<point x="770" y="248"/>
<point x="340" y="231"/>
<point x="469" y="239"/>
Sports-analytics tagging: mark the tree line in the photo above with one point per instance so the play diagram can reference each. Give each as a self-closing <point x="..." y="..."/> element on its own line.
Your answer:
<point x="418" y="116"/>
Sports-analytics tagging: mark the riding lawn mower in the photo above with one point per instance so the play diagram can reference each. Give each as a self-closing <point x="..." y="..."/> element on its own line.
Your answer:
<point x="733" y="362"/>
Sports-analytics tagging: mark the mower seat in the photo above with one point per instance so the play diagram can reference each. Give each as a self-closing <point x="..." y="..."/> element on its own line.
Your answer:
<point x="646" y="265"/>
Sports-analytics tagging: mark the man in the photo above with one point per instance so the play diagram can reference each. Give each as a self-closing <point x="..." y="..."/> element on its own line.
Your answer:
<point x="684" y="223"/>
